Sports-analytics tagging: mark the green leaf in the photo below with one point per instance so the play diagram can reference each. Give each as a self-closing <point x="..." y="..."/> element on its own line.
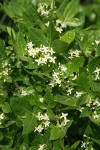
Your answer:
<point x="76" y="63"/>
<point x="51" y="33"/>
<point x="1" y="136"/>
<point x="37" y="36"/>
<point x="13" y="9"/>
<point x="65" y="100"/>
<point x="71" y="9"/>
<point x="20" y="106"/>
<point x="11" y="32"/>
<point x="29" y="123"/>
<point x="6" y="108"/>
<point x="96" y="141"/>
<point x="68" y="37"/>
<point x="85" y="113"/>
<point x="96" y="121"/>
<point x="2" y="49"/>
<point x="74" y="146"/>
<point x="59" y="46"/>
<point x="56" y="133"/>
<point x="95" y="86"/>
<point x="61" y="9"/>
<point x="82" y="100"/>
<point x="95" y="62"/>
<point x="83" y="82"/>
<point x="20" y="46"/>
<point x="75" y="22"/>
<point x="88" y="132"/>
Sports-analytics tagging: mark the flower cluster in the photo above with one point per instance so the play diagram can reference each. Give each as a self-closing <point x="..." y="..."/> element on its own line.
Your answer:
<point x="42" y="55"/>
<point x="74" y="53"/>
<point x="63" y="120"/>
<point x="97" y="73"/>
<point x="43" y="9"/>
<point x="58" y="75"/>
<point x="44" y="122"/>
<point x="94" y="104"/>
<point x="1" y="117"/>
<point x="71" y="91"/>
<point x="60" y="25"/>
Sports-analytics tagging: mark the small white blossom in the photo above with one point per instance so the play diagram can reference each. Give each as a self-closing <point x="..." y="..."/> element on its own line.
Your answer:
<point x="47" y="24"/>
<point x="45" y="117"/>
<point x="95" y="115"/>
<point x="30" y="45"/>
<point x="97" y="42"/>
<point x="83" y="145"/>
<point x="64" y="115"/>
<point x="43" y="9"/>
<point x="60" y="25"/>
<point x="39" y="116"/>
<point x="74" y="53"/>
<point x="63" y="68"/>
<point x="78" y="94"/>
<point x="41" y="99"/>
<point x="42" y="146"/>
<point x="2" y="116"/>
<point x="69" y="91"/>
<point x="81" y="109"/>
<point x="39" y="128"/>
<point x="64" y="119"/>
<point x="96" y="103"/>
<point x="59" y="29"/>
<point x="46" y="123"/>
<point x="97" y="71"/>
<point x="24" y="93"/>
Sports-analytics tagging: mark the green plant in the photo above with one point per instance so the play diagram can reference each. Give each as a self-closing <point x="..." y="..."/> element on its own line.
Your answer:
<point x="50" y="77"/>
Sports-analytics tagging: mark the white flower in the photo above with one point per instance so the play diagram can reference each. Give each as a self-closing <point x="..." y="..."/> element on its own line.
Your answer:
<point x="63" y="24"/>
<point x="96" y="71"/>
<point x="30" y="45"/>
<point x="39" y="61"/>
<point x="24" y="93"/>
<point x="47" y="24"/>
<point x="64" y="119"/>
<point x="60" y="25"/>
<point x="45" y="117"/>
<point x="39" y="116"/>
<point x="63" y="68"/>
<point x="55" y="74"/>
<point x="42" y="146"/>
<point x="58" y="81"/>
<point x="83" y="145"/>
<point x="41" y="99"/>
<point x="64" y="122"/>
<point x="39" y="128"/>
<point x="78" y="94"/>
<point x="97" y="42"/>
<point x="42" y="9"/>
<point x="64" y="115"/>
<point x="52" y="59"/>
<point x="81" y="109"/>
<point x="96" y="103"/>
<point x="69" y="91"/>
<point x="59" y="29"/>
<point x="95" y="115"/>
<point x="74" y="53"/>
<point x="46" y="123"/>
<point x="2" y="116"/>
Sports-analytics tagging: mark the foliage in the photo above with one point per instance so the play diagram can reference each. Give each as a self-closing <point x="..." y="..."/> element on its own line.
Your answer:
<point x="50" y="76"/>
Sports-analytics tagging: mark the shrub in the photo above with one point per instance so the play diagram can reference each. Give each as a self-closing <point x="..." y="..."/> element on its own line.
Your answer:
<point x="50" y="76"/>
